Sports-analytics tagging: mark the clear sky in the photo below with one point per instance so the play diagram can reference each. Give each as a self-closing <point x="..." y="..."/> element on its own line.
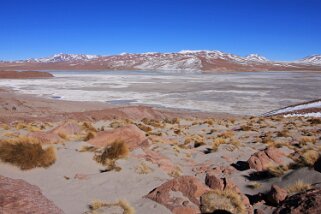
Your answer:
<point x="277" y="29"/>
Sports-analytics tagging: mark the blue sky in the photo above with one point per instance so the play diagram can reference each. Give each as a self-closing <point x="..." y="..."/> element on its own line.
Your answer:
<point x="277" y="29"/>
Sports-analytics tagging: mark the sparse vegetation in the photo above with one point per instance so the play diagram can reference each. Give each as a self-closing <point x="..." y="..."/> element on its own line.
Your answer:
<point x="111" y="153"/>
<point x="88" y="149"/>
<point x="90" y="135"/>
<point x="222" y="200"/>
<point x="277" y="170"/>
<point x="304" y="140"/>
<point x="254" y="185"/>
<point x="298" y="186"/>
<point x="26" y="154"/>
<point x="310" y="157"/>
<point x="142" y="168"/>
<point x="123" y="204"/>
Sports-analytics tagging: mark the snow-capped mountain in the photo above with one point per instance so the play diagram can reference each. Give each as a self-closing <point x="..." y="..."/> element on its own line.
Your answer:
<point x="61" y="57"/>
<point x="256" y="58"/>
<point x="314" y="59"/>
<point x="186" y="60"/>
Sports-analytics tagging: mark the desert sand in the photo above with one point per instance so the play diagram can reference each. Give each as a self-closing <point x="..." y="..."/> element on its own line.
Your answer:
<point x="97" y="158"/>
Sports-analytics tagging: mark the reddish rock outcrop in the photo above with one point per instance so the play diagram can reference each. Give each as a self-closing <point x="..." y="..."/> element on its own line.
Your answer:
<point x="276" y="195"/>
<point x="24" y="74"/>
<point x="180" y="194"/>
<point x="262" y="159"/>
<point x="130" y="134"/>
<point x="160" y="160"/>
<point x="305" y="202"/>
<point x="18" y="196"/>
<point x="68" y="128"/>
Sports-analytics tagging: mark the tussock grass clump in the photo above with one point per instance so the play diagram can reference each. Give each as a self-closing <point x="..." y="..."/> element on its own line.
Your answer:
<point x="217" y="142"/>
<point x="277" y="171"/>
<point x="310" y="157"/>
<point x="144" y="128"/>
<point x="222" y="200"/>
<point x="90" y="135"/>
<point x="63" y="135"/>
<point x="221" y="140"/>
<point x="142" y="168"/>
<point x="227" y="134"/>
<point x="27" y="155"/>
<point x="123" y="204"/>
<point x="89" y="127"/>
<point x="88" y="149"/>
<point x="111" y="153"/>
<point x="304" y="140"/>
<point x="298" y="186"/>
<point x="254" y="185"/>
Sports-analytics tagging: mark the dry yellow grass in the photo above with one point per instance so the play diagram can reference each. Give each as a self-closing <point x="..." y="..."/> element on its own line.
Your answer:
<point x="277" y="171"/>
<point x="142" y="168"/>
<point x="116" y="150"/>
<point x="123" y="204"/>
<point x="88" y="149"/>
<point x="90" y="135"/>
<point x="5" y="126"/>
<point x="307" y="139"/>
<point x="254" y="185"/>
<point x="26" y="154"/>
<point x="144" y="127"/>
<point x="298" y="186"/>
<point x="89" y="126"/>
<point x="217" y="142"/>
<point x="222" y="200"/>
<point x="63" y="135"/>
<point x="227" y="134"/>
<point x="310" y="157"/>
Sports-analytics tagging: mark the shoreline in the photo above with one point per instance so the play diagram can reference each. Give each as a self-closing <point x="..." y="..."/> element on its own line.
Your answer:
<point x="16" y="106"/>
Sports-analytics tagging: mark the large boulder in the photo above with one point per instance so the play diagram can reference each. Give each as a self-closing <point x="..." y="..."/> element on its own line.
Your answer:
<point x="305" y="202"/>
<point x="261" y="160"/>
<point x="180" y="194"/>
<point x="276" y="195"/>
<point x="18" y="196"/>
<point x="131" y="135"/>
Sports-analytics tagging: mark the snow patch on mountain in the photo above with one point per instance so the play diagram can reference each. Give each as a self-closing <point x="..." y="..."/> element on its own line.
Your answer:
<point x="314" y="59"/>
<point x="61" y="57"/>
<point x="256" y="58"/>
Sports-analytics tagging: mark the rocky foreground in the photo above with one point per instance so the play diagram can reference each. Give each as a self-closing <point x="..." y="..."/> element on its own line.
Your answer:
<point x="164" y="165"/>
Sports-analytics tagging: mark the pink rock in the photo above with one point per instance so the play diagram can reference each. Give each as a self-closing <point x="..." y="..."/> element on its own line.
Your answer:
<point x="131" y="135"/>
<point x="18" y="196"/>
<point x="174" y="193"/>
<point x="68" y="128"/>
<point x="276" y="195"/>
<point x="163" y="162"/>
<point x="262" y="159"/>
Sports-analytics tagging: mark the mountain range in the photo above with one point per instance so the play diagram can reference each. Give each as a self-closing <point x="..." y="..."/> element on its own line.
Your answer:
<point x="187" y="60"/>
